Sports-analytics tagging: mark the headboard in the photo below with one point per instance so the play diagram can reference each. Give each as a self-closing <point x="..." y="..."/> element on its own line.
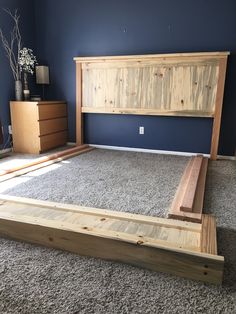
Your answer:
<point x="183" y="84"/>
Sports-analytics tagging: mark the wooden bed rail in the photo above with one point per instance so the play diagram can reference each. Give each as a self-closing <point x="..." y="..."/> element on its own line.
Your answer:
<point x="180" y="84"/>
<point x="188" y="201"/>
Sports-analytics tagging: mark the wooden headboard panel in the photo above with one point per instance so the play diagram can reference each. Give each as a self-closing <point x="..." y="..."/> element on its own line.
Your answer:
<point x="186" y="84"/>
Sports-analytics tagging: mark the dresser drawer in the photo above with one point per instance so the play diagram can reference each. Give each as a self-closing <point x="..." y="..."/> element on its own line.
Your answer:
<point x="52" y="140"/>
<point x="52" y="126"/>
<point x="52" y="111"/>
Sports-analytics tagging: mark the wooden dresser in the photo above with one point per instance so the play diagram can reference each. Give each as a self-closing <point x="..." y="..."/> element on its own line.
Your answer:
<point x="38" y="126"/>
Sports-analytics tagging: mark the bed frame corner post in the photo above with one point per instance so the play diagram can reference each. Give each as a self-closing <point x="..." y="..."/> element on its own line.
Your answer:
<point x="218" y="108"/>
<point x="79" y="117"/>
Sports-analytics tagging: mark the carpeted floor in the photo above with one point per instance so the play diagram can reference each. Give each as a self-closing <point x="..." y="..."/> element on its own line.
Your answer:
<point x="39" y="280"/>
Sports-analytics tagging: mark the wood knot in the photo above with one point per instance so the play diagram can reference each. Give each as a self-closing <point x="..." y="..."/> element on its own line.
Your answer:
<point x="50" y="239"/>
<point x="102" y="219"/>
<point x="182" y="101"/>
<point x="139" y="242"/>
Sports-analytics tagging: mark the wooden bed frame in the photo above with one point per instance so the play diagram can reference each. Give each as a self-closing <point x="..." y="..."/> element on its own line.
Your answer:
<point x="182" y="84"/>
<point x="188" y="85"/>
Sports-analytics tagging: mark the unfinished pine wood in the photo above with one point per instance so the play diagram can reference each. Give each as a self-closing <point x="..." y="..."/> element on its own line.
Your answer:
<point x="191" y="186"/>
<point x="208" y="235"/>
<point x="218" y="109"/>
<point x="43" y="159"/>
<point x="176" y="88"/>
<point x="182" y="84"/>
<point x="192" y="195"/>
<point x="35" y="166"/>
<point x="160" y="246"/>
<point x="79" y="117"/>
<point x="163" y="57"/>
<point x="200" y="191"/>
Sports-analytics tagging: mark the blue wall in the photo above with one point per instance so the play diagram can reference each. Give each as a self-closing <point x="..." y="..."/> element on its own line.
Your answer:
<point x="27" y="25"/>
<point x="68" y="28"/>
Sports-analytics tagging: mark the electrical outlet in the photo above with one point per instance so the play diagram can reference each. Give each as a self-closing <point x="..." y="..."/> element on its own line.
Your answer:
<point x="9" y="129"/>
<point x="141" y="130"/>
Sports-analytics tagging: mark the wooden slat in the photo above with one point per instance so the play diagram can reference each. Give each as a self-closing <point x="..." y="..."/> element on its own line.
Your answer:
<point x="156" y="221"/>
<point x="208" y="235"/>
<point x="43" y="164"/>
<point x="180" y="113"/>
<point x="191" y="186"/>
<point x="153" y="56"/>
<point x="43" y="159"/>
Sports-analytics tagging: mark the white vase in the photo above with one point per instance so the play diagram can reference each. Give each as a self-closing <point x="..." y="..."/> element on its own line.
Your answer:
<point x="18" y="90"/>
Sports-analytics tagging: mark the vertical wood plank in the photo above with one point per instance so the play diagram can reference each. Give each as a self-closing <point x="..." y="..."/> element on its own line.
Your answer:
<point x="218" y="109"/>
<point x="79" y="118"/>
<point x="208" y="235"/>
<point x="190" y="191"/>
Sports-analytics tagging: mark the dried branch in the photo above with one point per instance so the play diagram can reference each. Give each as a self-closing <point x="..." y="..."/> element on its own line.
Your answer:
<point x="12" y="47"/>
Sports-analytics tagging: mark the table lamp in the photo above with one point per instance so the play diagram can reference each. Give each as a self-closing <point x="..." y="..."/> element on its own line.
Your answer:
<point x="42" y="76"/>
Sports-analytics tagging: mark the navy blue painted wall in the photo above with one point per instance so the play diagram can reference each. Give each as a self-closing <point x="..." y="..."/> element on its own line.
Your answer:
<point x="68" y="28"/>
<point x="27" y="25"/>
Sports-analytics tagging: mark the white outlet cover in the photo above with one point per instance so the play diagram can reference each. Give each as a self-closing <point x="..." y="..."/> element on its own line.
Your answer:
<point x="141" y="130"/>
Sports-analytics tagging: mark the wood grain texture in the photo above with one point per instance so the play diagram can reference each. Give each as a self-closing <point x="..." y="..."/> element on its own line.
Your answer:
<point x="200" y="191"/>
<point x="166" y="56"/>
<point x="79" y="117"/>
<point x="193" y="196"/>
<point x="37" y="166"/>
<point x="218" y="109"/>
<point x="191" y="186"/>
<point x="40" y="160"/>
<point x="156" y="247"/>
<point x="183" y="113"/>
<point x="172" y="88"/>
<point x="208" y="235"/>
<point x="179" y="84"/>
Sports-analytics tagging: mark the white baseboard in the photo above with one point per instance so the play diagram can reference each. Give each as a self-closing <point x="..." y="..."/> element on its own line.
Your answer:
<point x="144" y="150"/>
<point x="6" y="150"/>
<point x="155" y="151"/>
<point x="222" y="157"/>
<point x="70" y="143"/>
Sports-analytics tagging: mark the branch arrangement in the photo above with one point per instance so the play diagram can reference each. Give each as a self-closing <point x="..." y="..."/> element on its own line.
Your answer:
<point x="12" y="46"/>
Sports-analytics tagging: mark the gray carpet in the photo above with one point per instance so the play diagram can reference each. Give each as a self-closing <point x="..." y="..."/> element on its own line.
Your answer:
<point x="40" y="280"/>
